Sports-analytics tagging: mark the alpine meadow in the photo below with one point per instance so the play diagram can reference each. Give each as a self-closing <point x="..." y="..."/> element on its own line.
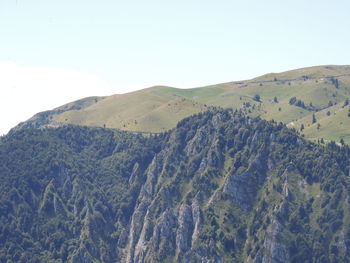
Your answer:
<point x="292" y="97"/>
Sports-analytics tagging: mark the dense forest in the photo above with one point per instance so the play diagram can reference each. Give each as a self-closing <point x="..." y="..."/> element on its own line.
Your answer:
<point x="220" y="187"/>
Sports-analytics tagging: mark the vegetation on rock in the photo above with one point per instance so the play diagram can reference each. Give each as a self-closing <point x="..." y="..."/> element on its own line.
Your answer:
<point x="219" y="187"/>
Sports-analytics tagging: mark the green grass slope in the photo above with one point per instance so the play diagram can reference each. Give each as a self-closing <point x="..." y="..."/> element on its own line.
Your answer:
<point x="320" y="89"/>
<point x="150" y="110"/>
<point x="333" y="127"/>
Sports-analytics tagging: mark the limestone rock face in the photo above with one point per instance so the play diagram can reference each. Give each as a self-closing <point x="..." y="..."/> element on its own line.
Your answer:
<point x="243" y="187"/>
<point x="275" y="251"/>
<point x="197" y="218"/>
<point x="195" y="144"/>
<point x="220" y="187"/>
<point x="185" y="229"/>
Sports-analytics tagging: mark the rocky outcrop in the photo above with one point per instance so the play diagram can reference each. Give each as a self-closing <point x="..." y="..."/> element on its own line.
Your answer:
<point x="136" y="226"/>
<point x="274" y="250"/>
<point x="195" y="145"/>
<point x="286" y="192"/>
<point x="197" y="219"/>
<point x="163" y="239"/>
<point x="138" y="218"/>
<point x="134" y="173"/>
<point x="142" y="245"/>
<point x="242" y="187"/>
<point x="184" y="230"/>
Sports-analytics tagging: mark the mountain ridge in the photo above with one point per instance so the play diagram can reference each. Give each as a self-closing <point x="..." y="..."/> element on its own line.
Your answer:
<point x="159" y="108"/>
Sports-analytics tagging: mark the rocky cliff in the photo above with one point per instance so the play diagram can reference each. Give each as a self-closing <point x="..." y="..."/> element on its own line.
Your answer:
<point x="220" y="187"/>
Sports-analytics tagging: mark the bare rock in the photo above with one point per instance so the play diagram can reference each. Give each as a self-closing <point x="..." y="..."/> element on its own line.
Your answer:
<point x="184" y="230"/>
<point x="274" y="250"/>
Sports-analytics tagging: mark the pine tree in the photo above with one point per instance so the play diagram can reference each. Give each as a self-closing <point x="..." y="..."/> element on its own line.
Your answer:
<point x="256" y="97"/>
<point x="314" y="118"/>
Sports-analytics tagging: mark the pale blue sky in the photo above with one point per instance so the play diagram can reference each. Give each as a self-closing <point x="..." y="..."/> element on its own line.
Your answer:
<point x="131" y="45"/>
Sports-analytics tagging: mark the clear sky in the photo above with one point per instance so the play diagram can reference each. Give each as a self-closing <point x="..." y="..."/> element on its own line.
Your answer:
<point x="53" y="52"/>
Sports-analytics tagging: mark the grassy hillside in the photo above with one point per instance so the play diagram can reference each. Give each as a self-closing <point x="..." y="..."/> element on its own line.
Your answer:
<point x="333" y="127"/>
<point x="152" y="110"/>
<point x="317" y="90"/>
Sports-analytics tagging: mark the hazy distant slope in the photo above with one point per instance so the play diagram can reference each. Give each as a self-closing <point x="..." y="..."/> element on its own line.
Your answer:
<point x="45" y="118"/>
<point x="313" y="72"/>
<point x="159" y="108"/>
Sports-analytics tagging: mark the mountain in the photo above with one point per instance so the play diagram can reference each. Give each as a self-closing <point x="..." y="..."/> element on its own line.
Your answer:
<point x="292" y="97"/>
<point x="219" y="187"/>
